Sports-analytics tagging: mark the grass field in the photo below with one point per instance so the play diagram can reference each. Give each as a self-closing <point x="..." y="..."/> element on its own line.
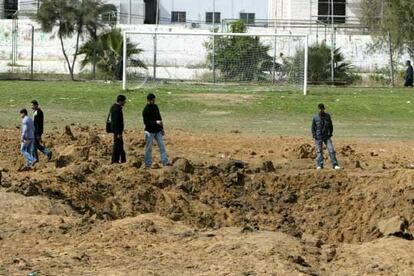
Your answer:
<point x="357" y="112"/>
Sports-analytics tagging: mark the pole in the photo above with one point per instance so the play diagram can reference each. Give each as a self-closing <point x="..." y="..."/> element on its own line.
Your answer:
<point x="274" y="60"/>
<point x="305" y="76"/>
<point x="157" y="13"/>
<point x="391" y="60"/>
<point x="32" y="54"/>
<point x="214" y="41"/>
<point x="124" y="75"/>
<point x="157" y="19"/>
<point x="332" y="44"/>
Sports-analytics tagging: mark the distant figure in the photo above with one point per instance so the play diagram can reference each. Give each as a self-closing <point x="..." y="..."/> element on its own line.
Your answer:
<point x="38" y="121"/>
<point x="119" y="70"/>
<point x="117" y="127"/>
<point x="27" y="140"/>
<point x="153" y="129"/>
<point x="409" y="72"/>
<point x="322" y="131"/>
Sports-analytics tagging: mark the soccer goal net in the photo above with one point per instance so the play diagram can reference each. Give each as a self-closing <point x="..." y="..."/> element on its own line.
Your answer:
<point x="275" y="60"/>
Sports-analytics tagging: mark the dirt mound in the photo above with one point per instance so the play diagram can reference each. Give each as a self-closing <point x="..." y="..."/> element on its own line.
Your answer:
<point x="254" y="193"/>
<point x="224" y="194"/>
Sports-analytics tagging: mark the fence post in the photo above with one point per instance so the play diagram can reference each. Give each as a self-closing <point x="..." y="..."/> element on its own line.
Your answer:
<point x="32" y="54"/>
<point x="305" y="76"/>
<point x="214" y="41"/>
<point x="274" y="60"/>
<point x="155" y="59"/>
<point x="124" y="61"/>
<point x="391" y="60"/>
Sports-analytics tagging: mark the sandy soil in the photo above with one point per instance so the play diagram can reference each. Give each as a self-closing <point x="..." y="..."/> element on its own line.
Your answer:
<point x="232" y="204"/>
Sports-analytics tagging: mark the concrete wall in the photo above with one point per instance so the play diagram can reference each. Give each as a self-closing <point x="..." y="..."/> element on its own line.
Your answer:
<point x="229" y="9"/>
<point x="178" y="56"/>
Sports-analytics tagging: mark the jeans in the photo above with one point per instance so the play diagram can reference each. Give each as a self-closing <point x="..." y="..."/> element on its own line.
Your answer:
<point x="40" y="147"/>
<point x="118" y="152"/>
<point x="149" y="138"/>
<point x="27" y="149"/>
<point x="319" y="151"/>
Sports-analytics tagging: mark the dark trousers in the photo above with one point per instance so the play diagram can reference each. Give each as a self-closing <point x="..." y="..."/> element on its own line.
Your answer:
<point x="408" y="83"/>
<point x="118" y="152"/>
<point x="39" y="147"/>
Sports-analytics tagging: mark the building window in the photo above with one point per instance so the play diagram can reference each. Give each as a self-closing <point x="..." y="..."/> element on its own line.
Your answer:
<point x="248" y="18"/>
<point x="325" y="11"/>
<point x="10" y="7"/>
<point x="178" y="17"/>
<point x="209" y="17"/>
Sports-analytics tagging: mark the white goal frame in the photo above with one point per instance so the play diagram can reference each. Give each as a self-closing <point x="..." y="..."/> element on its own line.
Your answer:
<point x="305" y="36"/>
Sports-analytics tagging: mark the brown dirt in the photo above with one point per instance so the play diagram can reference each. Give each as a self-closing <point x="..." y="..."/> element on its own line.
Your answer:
<point x="232" y="204"/>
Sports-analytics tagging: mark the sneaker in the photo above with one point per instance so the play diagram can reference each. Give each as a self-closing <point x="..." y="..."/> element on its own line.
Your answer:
<point x="25" y="168"/>
<point x="318" y="168"/>
<point x="49" y="156"/>
<point x="336" y="167"/>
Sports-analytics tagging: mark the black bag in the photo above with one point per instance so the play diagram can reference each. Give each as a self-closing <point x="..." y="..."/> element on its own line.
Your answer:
<point x="108" y="124"/>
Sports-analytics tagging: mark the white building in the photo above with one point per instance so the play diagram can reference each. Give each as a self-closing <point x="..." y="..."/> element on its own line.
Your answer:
<point x="127" y="11"/>
<point x="312" y="10"/>
<point x="201" y="11"/>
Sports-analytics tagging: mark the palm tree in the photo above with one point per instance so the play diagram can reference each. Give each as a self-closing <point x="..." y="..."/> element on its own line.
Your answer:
<point x="71" y="18"/>
<point x="107" y="52"/>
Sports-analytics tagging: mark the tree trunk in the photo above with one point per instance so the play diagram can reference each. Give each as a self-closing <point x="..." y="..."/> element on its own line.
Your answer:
<point x="75" y="55"/>
<point x="66" y="56"/>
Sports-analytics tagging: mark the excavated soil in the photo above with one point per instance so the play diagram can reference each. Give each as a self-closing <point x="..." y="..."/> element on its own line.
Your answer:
<point x="231" y="204"/>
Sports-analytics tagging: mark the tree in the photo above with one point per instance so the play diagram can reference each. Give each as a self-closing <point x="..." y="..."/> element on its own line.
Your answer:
<point x="70" y="18"/>
<point x="319" y="68"/>
<point x="239" y="58"/>
<point x="390" y="20"/>
<point x="107" y="51"/>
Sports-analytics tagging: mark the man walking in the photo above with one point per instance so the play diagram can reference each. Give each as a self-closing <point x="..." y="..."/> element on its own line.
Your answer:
<point x="117" y="127"/>
<point x="322" y="131"/>
<point x="38" y="121"/>
<point x="27" y="140"/>
<point x="153" y="129"/>
<point x="409" y="72"/>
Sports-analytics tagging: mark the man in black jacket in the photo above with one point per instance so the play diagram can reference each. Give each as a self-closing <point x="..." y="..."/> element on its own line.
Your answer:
<point x="117" y="127"/>
<point x="409" y="74"/>
<point x="38" y="120"/>
<point x="153" y="129"/>
<point x="322" y="131"/>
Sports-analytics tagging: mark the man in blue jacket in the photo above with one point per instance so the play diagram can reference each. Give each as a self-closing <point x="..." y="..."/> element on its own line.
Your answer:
<point x="322" y="131"/>
<point x="27" y="140"/>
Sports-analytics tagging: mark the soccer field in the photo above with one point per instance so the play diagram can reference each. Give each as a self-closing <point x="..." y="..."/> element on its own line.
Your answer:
<point x="380" y="113"/>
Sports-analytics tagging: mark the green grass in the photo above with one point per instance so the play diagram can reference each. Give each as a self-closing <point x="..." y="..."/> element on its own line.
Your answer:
<point x="357" y="112"/>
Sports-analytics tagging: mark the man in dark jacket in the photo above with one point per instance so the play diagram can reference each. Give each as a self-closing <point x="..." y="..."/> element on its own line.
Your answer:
<point x="409" y="72"/>
<point x="153" y="129"/>
<point x="38" y="120"/>
<point x="117" y="127"/>
<point x="322" y="131"/>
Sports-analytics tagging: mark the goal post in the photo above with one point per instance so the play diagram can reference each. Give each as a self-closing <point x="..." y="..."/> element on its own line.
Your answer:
<point x="222" y="58"/>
